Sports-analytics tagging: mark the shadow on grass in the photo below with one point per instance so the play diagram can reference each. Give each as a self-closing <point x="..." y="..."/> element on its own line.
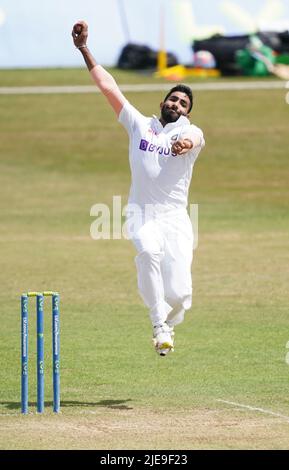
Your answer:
<point x="112" y="404"/>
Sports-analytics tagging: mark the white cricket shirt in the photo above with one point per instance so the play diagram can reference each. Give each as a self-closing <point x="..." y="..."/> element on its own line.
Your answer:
<point x="159" y="177"/>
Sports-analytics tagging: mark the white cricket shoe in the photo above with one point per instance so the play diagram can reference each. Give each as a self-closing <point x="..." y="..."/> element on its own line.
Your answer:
<point x="163" y="339"/>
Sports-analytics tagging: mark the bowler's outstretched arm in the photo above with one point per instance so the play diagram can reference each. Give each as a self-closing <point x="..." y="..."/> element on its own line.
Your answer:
<point x="104" y="80"/>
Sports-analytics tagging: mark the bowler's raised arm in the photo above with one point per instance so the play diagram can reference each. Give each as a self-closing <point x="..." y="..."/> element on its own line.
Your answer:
<point x="104" y="80"/>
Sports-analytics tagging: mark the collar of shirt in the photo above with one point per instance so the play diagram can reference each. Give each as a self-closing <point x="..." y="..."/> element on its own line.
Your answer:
<point x="158" y="127"/>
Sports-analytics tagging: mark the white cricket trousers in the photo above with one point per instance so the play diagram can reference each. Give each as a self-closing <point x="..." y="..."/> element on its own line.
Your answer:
<point x="165" y="250"/>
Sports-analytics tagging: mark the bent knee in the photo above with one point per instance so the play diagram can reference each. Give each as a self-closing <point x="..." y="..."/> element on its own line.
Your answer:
<point x="148" y="256"/>
<point x="181" y="300"/>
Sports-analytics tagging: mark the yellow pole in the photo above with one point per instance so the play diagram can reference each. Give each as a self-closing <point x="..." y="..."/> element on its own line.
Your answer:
<point x="162" y="54"/>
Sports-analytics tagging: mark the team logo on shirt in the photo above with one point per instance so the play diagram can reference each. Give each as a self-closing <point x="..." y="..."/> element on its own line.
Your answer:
<point x="149" y="147"/>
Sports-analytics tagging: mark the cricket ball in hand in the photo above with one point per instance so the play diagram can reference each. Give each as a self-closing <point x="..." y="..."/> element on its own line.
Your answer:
<point x="77" y="29"/>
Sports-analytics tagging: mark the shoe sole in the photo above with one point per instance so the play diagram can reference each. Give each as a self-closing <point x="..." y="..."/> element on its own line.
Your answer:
<point x="164" y="349"/>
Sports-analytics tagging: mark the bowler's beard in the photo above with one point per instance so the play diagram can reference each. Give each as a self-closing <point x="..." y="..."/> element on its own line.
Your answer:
<point x="169" y="115"/>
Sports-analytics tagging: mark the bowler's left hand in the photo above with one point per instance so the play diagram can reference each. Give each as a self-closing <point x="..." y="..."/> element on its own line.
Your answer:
<point x="182" y="146"/>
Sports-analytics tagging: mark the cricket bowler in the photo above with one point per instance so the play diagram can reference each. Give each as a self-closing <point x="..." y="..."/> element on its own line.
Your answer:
<point x="162" y="153"/>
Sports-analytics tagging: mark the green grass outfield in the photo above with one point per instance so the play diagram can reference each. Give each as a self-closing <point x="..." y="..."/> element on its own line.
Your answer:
<point x="61" y="154"/>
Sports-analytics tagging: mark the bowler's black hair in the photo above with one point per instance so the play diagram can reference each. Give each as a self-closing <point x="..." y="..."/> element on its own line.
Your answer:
<point x="184" y="89"/>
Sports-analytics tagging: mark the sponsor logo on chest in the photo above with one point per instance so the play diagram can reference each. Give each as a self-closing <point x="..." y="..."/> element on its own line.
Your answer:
<point x="149" y="146"/>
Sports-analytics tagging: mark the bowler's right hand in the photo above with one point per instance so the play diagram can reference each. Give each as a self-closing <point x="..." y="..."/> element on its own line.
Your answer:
<point x="80" y="33"/>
